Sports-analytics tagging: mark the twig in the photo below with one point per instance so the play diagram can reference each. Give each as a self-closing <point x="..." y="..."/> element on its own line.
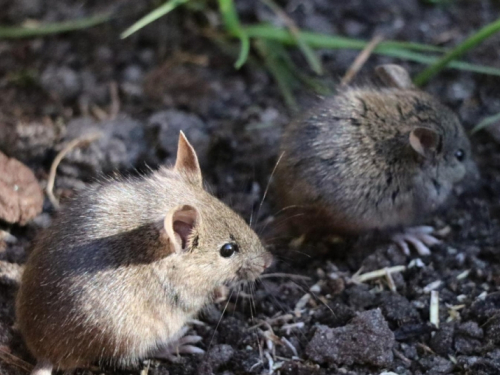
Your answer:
<point x="270" y="361"/>
<point x="114" y="108"/>
<point x="288" y="327"/>
<point x="301" y="304"/>
<point x="432" y="286"/>
<point x="269" y="322"/>
<point x="390" y="281"/>
<point x="361" y="60"/>
<point x="377" y="274"/>
<point x="434" y="308"/>
<point x="401" y="356"/>
<point x="99" y="113"/>
<point x="290" y="346"/>
<point x="12" y="360"/>
<point x="60" y="156"/>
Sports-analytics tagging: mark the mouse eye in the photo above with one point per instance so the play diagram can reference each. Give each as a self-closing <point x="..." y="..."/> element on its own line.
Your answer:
<point x="228" y="249"/>
<point x="460" y="155"/>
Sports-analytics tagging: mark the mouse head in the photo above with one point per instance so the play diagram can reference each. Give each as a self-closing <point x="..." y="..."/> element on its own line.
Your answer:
<point x="443" y="150"/>
<point x="213" y="243"/>
<point x="437" y="140"/>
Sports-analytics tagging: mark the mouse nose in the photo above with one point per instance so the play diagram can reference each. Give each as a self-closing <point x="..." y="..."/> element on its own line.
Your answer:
<point x="268" y="259"/>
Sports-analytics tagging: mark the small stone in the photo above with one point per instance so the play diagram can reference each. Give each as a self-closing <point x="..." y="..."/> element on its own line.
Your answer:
<point x="360" y="297"/>
<point x="366" y="340"/>
<point x="492" y="331"/>
<point x="216" y="357"/>
<point x="437" y="365"/>
<point x="62" y="82"/>
<point x="442" y="341"/>
<point x="470" y="329"/>
<point x="398" y="310"/>
<point x="21" y="198"/>
<point x="10" y="273"/>
<point x="121" y="147"/>
<point x="133" y="73"/>
<point x="163" y="130"/>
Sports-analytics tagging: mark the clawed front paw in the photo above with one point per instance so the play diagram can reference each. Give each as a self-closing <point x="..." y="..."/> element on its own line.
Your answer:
<point x="419" y="237"/>
<point x="172" y="351"/>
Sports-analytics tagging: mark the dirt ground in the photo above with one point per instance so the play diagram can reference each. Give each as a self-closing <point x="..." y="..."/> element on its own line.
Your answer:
<point x="170" y="77"/>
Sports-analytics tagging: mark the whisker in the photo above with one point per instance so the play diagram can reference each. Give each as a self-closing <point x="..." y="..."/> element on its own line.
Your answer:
<point x="221" y="316"/>
<point x="281" y="222"/>
<point x="237" y="297"/>
<point x="269" y="183"/>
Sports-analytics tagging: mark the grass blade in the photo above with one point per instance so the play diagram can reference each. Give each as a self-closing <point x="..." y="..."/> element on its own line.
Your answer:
<point x="152" y="16"/>
<point x="425" y="59"/>
<point x="53" y="28"/>
<point x="271" y="54"/>
<point x="311" y="58"/>
<point x="458" y="51"/>
<point x="490" y="120"/>
<point x="402" y="50"/>
<point x="233" y="26"/>
<point x="316" y="40"/>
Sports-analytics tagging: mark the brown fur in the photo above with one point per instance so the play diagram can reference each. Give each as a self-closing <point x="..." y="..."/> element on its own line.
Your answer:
<point x="105" y="282"/>
<point x="349" y="165"/>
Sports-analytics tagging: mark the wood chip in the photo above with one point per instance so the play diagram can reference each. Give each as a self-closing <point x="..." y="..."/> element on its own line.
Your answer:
<point x="434" y="308"/>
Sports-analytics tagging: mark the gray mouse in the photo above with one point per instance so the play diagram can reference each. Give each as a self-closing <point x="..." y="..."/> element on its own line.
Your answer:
<point x="375" y="158"/>
<point x="125" y="265"/>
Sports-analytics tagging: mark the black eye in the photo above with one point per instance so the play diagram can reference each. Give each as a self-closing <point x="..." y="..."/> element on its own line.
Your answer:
<point x="228" y="249"/>
<point x="460" y="155"/>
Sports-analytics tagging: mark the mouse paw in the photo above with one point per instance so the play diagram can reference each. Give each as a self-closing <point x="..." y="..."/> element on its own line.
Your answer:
<point x="419" y="237"/>
<point x="221" y="294"/>
<point x="184" y="345"/>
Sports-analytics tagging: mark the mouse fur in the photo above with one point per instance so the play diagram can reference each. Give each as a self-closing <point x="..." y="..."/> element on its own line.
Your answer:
<point x="127" y="263"/>
<point x="373" y="158"/>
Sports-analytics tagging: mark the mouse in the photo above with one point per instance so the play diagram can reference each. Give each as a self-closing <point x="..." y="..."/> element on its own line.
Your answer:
<point x="374" y="158"/>
<point x="127" y="263"/>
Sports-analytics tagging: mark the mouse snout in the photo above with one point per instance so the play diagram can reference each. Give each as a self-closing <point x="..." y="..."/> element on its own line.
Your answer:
<point x="255" y="266"/>
<point x="268" y="259"/>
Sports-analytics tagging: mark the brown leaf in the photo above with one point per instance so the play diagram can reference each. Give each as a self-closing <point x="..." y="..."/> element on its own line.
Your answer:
<point x="21" y="197"/>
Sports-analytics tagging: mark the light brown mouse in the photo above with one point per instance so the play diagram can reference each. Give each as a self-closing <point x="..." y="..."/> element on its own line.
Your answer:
<point x="125" y="265"/>
<point x="374" y="158"/>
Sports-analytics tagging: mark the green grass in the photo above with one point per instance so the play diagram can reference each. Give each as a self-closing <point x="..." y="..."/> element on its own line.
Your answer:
<point x="458" y="51"/>
<point x="152" y="16"/>
<point x="233" y="26"/>
<point x="272" y="43"/>
<point x="488" y="121"/>
<point x="52" y="28"/>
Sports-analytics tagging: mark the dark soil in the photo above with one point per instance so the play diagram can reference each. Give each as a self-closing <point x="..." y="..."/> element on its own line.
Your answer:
<point x="170" y="77"/>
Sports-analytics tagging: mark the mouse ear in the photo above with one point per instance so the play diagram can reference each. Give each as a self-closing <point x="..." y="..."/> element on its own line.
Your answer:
<point x="187" y="161"/>
<point x="425" y="141"/>
<point x="179" y="225"/>
<point x="394" y="76"/>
